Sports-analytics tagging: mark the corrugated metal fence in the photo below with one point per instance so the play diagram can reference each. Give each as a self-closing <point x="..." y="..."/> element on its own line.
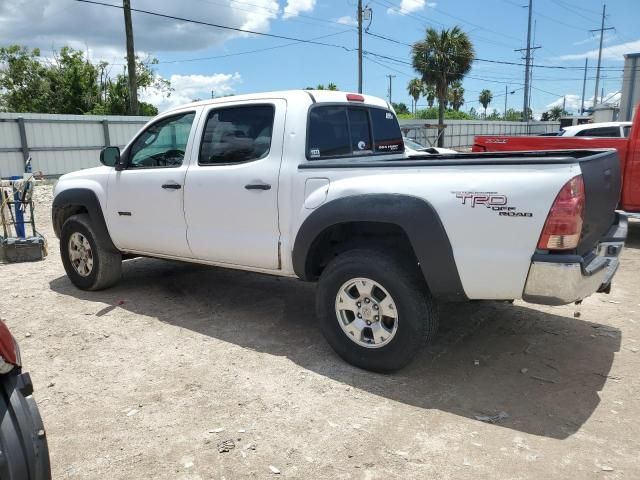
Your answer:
<point x="60" y="143"/>
<point x="63" y="143"/>
<point x="460" y="133"/>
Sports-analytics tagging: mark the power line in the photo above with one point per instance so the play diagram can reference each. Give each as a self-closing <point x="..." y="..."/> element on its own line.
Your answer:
<point x="224" y="27"/>
<point x="247" y="52"/>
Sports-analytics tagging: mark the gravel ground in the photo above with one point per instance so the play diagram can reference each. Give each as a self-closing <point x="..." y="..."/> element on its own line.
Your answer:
<point x="147" y="379"/>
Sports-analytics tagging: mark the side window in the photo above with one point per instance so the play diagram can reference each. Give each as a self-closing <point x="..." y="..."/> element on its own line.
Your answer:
<point x="163" y="144"/>
<point x="237" y="134"/>
<point x="386" y="131"/>
<point x="328" y="132"/>
<point x="600" y="132"/>
<point x="626" y="130"/>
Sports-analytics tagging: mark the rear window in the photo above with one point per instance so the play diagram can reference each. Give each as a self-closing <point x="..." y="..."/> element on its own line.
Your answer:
<point x="341" y="131"/>
<point x="626" y="130"/>
<point x="600" y="132"/>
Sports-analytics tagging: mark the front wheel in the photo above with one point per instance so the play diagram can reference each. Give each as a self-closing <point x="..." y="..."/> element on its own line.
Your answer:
<point x="374" y="309"/>
<point x="90" y="265"/>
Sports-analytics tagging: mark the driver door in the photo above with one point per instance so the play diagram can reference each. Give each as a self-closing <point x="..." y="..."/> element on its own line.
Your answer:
<point x="145" y="201"/>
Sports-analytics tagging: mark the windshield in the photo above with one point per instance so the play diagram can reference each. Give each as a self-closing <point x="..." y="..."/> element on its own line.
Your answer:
<point x="412" y="144"/>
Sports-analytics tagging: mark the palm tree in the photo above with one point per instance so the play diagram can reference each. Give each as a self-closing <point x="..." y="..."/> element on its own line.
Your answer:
<point x="456" y="95"/>
<point x="415" y="88"/>
<point x="442" y="58"/>
<point x="430" y="93"/>
<point x="485" y="99"/>
<point x="556" y="112"/>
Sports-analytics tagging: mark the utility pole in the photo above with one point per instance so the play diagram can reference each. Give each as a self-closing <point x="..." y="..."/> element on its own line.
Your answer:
<point x="359" y="46"/>
<point x="390" y="77"/>
<point x="535" y="25"/>
<point x="131" y="59"/>
<point x="602" y="30"/>
<point x="564" y="102"/>
<point x="527" y="71"/>
<point x="584" y="84"/>
<point x="504" y="115"/>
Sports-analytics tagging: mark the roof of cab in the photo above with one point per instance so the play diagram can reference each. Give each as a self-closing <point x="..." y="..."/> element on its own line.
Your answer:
<point x="313" y="96"/>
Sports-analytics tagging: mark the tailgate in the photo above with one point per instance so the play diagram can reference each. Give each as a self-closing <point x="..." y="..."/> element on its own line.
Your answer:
<point x="602" y="183"/>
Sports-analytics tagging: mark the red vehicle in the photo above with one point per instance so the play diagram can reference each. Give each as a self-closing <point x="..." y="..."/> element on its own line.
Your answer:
<point x="24" y="454"/>
<point x="628" y="151"/>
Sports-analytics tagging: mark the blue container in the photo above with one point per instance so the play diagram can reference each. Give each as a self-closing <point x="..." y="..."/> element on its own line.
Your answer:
<point x="18" y="211"/>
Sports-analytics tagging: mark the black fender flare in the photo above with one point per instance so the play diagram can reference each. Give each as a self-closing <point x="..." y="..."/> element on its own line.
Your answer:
<point x="417" y="218"/>
<point x="81" y="197"/>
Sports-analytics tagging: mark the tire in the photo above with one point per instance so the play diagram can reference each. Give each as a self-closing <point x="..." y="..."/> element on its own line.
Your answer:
<point x="106" y="265"/>
<point x="416" y="319"/>
<point x="24" y="453"/>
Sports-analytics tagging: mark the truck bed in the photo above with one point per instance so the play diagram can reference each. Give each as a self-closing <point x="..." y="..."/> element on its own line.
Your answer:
<point x="600" y="169"/>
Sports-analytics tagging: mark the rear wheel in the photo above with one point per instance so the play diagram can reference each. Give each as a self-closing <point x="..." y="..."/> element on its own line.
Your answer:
<point x="89" y="264"/>
<point x="374" y="309"/>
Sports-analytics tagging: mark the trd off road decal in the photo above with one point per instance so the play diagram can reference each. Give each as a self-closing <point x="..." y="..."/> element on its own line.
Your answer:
<point x="492" y="200"/>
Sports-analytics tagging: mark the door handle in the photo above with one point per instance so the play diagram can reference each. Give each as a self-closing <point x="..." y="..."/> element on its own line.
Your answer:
<point x="258" y="186"/>
<point x="172" y="186"/>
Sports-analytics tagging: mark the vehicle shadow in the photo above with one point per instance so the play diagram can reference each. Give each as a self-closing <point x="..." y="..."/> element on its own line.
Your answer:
<point x="633" y="235"/>
<point x="475" y="366"/>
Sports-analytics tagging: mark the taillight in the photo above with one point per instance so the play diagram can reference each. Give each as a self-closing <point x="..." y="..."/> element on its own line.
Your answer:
<point x="354" y="97"/>
<point x="563" y="227"/>
<point x="8" y="350"/>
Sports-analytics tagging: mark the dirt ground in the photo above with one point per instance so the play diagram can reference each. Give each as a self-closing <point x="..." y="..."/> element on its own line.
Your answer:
<point x="143" y="381"/>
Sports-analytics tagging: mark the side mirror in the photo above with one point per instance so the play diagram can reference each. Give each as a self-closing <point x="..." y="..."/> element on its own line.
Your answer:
<point x="110" y="156"/>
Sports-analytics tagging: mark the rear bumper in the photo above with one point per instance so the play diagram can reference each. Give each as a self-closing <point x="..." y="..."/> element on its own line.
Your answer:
<point x="561" y="279"/>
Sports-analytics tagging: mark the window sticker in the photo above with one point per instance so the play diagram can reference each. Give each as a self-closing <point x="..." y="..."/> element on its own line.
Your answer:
<point x="315" y="152"/>
<point x="361" y="145"/>
<point x="389" y="116"/>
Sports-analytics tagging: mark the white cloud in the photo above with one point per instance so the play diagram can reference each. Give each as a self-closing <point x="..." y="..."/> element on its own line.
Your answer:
<point x="296" y="7"/>
<point x="613" y="52"/>
<point x="410" y="6"/>
<point x="190" y="87"/>
<point x="346" y="20"/>
<point x="51" y="24"/>
<point x="596" y="38"/>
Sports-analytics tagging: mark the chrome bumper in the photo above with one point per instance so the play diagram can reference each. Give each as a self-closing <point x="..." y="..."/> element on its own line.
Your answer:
<point x="562" y="279"/>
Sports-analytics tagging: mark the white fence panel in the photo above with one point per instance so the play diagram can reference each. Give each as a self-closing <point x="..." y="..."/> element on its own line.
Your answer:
<point x="60" y="144"/>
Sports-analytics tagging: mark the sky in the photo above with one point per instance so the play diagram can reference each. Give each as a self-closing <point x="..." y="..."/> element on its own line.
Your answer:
<point x="202" y="60"/>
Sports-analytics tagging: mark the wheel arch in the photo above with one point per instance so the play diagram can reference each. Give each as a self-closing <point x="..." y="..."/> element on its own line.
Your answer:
<point x="411" y="223"/>
<point x="80" y="200"/>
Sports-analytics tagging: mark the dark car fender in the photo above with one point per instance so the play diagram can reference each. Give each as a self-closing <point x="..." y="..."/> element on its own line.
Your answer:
<point x="75" y="200"/>
<point x="417" y="218"/>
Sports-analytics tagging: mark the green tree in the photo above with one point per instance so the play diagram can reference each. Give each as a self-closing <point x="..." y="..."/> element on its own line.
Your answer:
<point x="68" y="83"/>
<point x="430" y="94"/>
<point x="24" y="85"/>
<point x="415" y="88"/>
<point x="556" y="112"/>
<point x="513" y="115"/>
<point x="456" y="95"/>
<point x="400" y="108"/>
<point x="485" y="99"/>
<point x="332" y="86"/>
<point x="442" y="58"/>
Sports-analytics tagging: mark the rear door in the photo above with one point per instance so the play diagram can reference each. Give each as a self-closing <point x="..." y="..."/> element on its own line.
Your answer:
<point x="231" y="195"/>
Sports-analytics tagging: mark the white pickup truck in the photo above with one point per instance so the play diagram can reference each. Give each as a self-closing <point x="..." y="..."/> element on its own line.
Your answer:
<point x="316" y="185"/>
